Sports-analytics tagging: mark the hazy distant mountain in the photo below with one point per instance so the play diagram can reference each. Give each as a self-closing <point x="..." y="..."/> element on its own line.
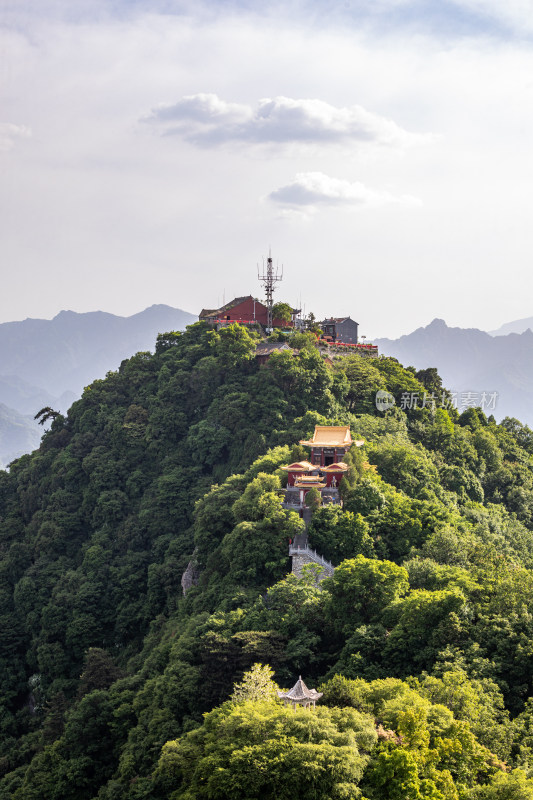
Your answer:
<point x="49" y="362"/>
<point x="67" y="352"/>
<point x="18" y="435"/>
<point x="518" y="326"/>
<point x="28" y="399"/>
<point x="470" y="360"/>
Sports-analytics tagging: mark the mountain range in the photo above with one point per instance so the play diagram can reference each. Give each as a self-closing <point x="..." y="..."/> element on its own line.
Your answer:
<point x="474" y="362"/>
<point x="517" y="326"/>
<point x="49" y="362"/>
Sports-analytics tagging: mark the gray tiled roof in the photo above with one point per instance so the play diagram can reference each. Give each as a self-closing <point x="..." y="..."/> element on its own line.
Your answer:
<point x="300" y="692"/>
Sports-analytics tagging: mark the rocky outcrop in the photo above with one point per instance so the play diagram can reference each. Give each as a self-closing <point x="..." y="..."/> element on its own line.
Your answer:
<point x="190" y="576"/>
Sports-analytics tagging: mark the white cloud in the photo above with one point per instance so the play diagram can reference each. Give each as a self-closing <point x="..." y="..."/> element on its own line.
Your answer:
<point x="295" y="215"/>
<point x="202" y="109"/>
<point x="205" y="119"/>
<point x="10" y="133"/>
<point x="149" y="219"/>
<point x="517" y="15"/>
<point x="311" y="189"/>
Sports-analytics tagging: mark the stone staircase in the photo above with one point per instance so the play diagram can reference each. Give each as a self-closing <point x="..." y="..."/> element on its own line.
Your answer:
<point x="302" y="554"/>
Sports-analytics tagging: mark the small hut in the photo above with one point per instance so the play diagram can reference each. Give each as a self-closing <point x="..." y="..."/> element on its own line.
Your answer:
<point x="300" y="695"/>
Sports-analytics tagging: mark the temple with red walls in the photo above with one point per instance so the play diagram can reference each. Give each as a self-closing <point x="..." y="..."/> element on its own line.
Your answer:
<point x="243" y="310"/>
<point x="329" y="444"/>
<point x="324" y="472"/>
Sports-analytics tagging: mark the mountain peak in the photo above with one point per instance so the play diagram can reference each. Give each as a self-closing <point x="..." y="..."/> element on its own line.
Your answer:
<point x="516" y="326"/>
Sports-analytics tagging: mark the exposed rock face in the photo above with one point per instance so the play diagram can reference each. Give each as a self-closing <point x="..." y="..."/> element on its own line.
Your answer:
<point x="190" y="576"/>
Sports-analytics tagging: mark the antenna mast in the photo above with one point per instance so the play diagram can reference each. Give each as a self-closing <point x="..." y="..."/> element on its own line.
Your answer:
<point x="269" y="278"/>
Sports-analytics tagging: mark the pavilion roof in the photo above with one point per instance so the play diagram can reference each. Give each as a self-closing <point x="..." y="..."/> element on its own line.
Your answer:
<point x="330" y="436"/>
<point x="340" y="466"/>
<point x="303" y="466"/>
<point x="308" y="481"/>
<point x="300" y="692"/>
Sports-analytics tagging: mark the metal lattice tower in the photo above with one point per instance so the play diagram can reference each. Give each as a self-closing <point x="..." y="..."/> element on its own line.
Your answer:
<point x="269" y="278"/>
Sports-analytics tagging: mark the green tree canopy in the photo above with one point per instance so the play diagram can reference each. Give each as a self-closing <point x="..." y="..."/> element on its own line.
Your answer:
<point x="262" y="750"/>
<point x="282" y="311"/>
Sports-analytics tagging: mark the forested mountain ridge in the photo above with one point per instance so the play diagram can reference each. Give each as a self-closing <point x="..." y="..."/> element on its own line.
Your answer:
<point x="421" y="638"/>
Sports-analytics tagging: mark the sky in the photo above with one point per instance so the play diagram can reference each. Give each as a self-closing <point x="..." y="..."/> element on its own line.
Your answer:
<point x="152" y="151"/>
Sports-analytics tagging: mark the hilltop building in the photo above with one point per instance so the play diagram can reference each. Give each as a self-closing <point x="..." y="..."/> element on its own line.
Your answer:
<point x="245" y="311"/>
<point x="301" y="473"/>
<point x="340" y="334"/>
<point x="343" y="330"/>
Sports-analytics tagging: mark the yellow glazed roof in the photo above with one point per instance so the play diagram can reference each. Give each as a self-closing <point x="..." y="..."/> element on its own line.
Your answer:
<point x="340" y="466"/>
<point x="330" y="436"/>
<point x="302" y="465"/>
<point x="308" y="481"/>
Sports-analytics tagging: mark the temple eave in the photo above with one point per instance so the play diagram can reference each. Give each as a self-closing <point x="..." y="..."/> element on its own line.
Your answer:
<point x="340" y="466"/>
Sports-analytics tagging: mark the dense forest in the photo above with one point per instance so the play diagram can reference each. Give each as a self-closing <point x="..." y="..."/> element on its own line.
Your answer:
<point x="116" y="686"/>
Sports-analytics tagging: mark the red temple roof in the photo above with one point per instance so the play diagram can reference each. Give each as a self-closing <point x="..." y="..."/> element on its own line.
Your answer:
<point x="218" y="312"/>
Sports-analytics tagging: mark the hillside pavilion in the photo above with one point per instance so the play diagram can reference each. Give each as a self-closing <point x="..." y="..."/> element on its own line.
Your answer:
<point x="300" y="695"/>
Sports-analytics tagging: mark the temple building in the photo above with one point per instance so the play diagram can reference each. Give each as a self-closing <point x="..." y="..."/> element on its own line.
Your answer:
<point x="245" y="311"/>
<point x="297" y="469"/>
<point x="325" y="470"/>
<point x="333" y="474"/>
<point x="329" y="444"/>
<point x="300" y="695"/>
<point x="304" y="483"/>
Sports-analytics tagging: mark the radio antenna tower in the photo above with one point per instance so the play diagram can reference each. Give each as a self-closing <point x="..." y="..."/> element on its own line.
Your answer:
<point x="269" y="278"/>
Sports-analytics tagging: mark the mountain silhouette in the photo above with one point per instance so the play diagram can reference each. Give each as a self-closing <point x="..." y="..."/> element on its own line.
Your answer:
<point x="470" y="360"/>
<point x="49" y="362"/>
